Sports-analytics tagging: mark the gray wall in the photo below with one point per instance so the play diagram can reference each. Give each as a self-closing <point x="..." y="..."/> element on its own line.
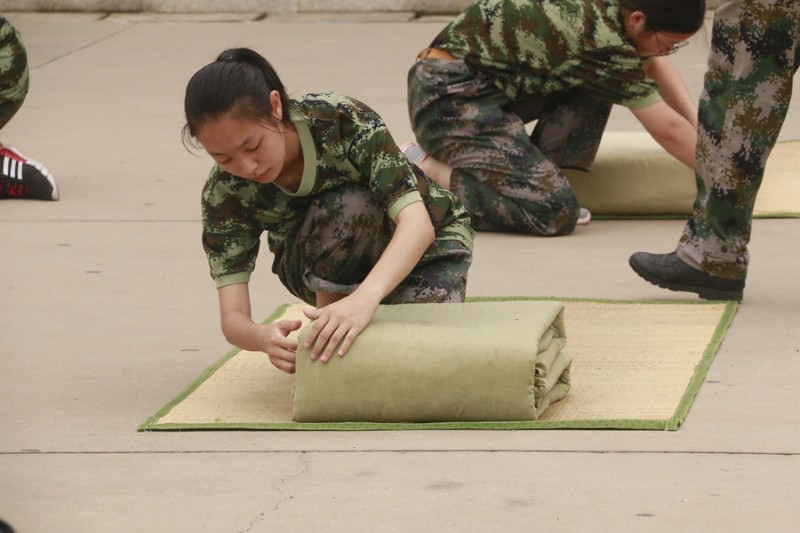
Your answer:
<point x="240" y="6"/>
<point x="243" y="6"/>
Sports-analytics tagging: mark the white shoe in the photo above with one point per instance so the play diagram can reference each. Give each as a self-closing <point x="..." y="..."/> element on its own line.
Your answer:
<point x="584" y="217"/>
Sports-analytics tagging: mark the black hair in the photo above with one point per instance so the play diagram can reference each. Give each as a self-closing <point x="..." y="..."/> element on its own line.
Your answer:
<point x="240" y="81"/>
<point x="677" y="16"/>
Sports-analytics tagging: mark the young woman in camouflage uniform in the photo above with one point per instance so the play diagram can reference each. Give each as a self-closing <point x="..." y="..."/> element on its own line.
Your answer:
<point x="755" y="53"/>
<point x="350" y="222"/>
<point x="504" y="63"/>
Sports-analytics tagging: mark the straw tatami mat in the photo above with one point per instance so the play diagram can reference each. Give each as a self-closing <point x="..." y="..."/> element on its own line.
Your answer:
<point x="636" y="365"/>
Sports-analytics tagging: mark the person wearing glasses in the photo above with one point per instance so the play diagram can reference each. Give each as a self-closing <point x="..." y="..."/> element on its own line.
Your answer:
<point x="502" y="64"/>
<point x="755" y="54"/>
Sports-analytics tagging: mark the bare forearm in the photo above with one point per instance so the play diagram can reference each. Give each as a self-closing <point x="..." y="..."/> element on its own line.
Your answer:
<point x="682" y="103"/>
<point x="673" y="132"/>
<point x="681" y="142"/>
<point x="673" y="89"/>
<point x="240" y="330"/>
<point x="236" y="318"/>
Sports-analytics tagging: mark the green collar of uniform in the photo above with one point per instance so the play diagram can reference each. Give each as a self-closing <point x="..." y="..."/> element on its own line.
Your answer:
<point x="309" y="150"/>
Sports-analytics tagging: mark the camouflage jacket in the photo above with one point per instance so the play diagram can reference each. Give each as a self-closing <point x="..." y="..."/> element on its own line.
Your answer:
<point x="343" y="141"/>
<point x="545" y="47"/>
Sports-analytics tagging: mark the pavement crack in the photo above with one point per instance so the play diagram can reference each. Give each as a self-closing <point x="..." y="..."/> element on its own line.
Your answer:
<point x="81" y="48"/>
<point x="287" y="495"/>
<point x="283" y="495"/>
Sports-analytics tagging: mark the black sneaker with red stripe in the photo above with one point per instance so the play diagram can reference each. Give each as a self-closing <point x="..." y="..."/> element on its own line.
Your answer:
<point x="24" y="178"/>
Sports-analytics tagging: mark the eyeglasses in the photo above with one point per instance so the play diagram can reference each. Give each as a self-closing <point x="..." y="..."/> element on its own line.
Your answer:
<point x="672" y="50"/>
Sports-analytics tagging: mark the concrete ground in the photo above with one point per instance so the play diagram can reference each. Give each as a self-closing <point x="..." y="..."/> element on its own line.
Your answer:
<point x="108" y="312"/>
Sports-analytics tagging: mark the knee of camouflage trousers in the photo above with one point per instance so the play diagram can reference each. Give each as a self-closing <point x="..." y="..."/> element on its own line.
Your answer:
<point x="344" y="232"/>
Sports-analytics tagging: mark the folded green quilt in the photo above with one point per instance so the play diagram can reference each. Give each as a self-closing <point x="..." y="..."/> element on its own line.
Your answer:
<point x="477" y="361"/>
<point x="631" y="176"/>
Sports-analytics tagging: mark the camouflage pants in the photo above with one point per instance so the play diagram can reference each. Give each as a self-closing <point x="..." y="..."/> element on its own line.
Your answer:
<point x="13" y="72"/>
<point x="343" y="235"/>
<point x="508" y="180"/>
<point x="755" y="52"/>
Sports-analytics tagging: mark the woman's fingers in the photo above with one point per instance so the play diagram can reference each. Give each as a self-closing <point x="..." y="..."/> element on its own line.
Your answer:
<point x="348" y="340"/>
<point x="316" y="335"/>
<point x="287" y="326"/>
<point x="283" y="359"/>
<point x="321" y="341"/>
<point x="336" y="326"/>
<point x="333" y="342"/>
<point x="286" y="366"/>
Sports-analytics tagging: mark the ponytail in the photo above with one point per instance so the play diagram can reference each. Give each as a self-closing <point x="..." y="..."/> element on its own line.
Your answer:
<point x="239" y="81"/>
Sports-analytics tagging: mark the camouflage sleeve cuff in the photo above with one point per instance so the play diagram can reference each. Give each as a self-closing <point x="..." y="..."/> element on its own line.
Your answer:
<point x="407" y="199"/>
<point x="641" y="103"/>
<point x="232" y="279"/>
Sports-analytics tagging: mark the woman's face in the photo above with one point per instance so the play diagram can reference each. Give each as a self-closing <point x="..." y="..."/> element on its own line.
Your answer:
<point x="247" y="148"/>
<point x="659" y="43"/>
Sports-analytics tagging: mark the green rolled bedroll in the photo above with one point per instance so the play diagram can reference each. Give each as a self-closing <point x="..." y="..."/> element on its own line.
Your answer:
<point x="477" y="361"/>
<point x="632" y="176"/>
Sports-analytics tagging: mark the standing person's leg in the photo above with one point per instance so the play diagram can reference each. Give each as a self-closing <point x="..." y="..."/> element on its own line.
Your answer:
<point x="20" y="176"/>
<point x="744" y="102"/>
<point x="504" y="181"/>
<point x="755" y="52"/>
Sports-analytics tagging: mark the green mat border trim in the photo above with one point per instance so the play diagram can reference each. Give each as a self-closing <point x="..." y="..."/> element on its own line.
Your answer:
<point x="666" y="216"/>
<point x="670" y="424"/>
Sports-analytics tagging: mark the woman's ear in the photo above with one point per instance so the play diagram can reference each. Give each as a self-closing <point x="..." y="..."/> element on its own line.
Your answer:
<point x="636" y="22"/>
<point x="277" y="108"/>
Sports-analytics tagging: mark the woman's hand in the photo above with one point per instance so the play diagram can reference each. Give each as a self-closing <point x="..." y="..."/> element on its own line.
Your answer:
<point x="278" y="347"/>
<point x="339" y="322"/>
<point x="241" y="331"/>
